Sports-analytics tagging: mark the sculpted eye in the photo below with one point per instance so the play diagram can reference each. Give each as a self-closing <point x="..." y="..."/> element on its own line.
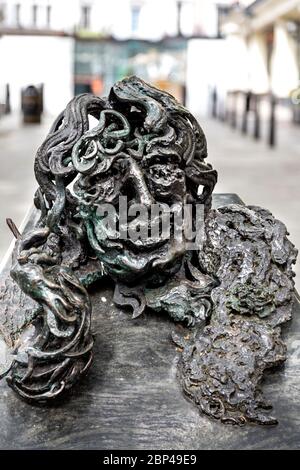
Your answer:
<point x="166" y="180"/>
<point x="167" y="173"/>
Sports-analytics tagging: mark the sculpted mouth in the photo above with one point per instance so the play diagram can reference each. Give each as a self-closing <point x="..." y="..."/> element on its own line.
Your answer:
<point x="155" y="240"/>
<point x="146" y="243"/>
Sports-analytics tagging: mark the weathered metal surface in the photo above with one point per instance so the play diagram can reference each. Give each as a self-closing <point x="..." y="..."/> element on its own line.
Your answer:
<point x="132" y="399"/>
<point x="223" y="363"/>
<point x="236" y="289"/>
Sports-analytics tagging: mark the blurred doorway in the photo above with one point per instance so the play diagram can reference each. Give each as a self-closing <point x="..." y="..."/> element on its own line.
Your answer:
<point x="99" y="64"/>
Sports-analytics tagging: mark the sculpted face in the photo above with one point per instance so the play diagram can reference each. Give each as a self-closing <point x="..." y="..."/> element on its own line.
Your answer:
<point x="145" y="151"/>
<point x="140" y="151"/>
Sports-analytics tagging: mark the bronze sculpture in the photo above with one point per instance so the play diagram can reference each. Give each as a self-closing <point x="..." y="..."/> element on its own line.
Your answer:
<point x="236" y="289"/>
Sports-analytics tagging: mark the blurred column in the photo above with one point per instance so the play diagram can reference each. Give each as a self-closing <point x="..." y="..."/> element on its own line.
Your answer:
<point x="7" y="99"/>
<point x="258" y="64"/>
<point x="235" y="63"/>
<point x="206" y="65"/>
<point x="179" y="4"/>
<point x="235" y="75"/>
<point x="284" y="62"/>
<point x="205" y="18"/>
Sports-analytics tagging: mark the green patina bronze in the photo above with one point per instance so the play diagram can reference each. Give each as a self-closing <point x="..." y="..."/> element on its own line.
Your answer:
<point x="235" y="290"/>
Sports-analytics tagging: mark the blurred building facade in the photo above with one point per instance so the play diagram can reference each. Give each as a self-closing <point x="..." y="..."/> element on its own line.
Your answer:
<point x="73" y="46"/>
<point x="265" y="38"/>
<point x="123" y="19"/>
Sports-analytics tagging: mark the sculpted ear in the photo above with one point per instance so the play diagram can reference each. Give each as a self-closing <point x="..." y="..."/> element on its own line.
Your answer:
<point x="201" y="174"/>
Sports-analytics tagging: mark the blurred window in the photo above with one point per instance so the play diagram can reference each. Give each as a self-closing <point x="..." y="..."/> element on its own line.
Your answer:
<point x="135" y="18"/>
<point x="17" y="14"/>
<point x="2" y="12"/>
<point x="34" y="15"/>
<point x="99" y="64"/>
<point x="86" y="16"/>
<point x="48" y="16"/>
<point x="270" y="47"/>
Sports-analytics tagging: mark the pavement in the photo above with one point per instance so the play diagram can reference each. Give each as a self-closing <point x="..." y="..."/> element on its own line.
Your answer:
<point x="259" y="175"/>
<point x="18" y="145"/>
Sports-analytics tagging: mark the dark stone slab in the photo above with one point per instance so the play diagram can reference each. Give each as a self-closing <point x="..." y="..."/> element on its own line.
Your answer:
<point x="16" y="308"/>
<point x="224" y="199"/>
<point x="131" y="398"/>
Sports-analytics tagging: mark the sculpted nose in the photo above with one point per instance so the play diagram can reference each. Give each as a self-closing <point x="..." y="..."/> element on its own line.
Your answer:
<point x="138" y="181"/>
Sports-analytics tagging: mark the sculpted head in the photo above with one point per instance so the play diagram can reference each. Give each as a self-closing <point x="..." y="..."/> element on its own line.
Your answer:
<point x="145" y="147"/>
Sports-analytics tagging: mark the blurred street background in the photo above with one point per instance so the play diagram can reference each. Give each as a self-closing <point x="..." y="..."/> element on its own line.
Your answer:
<point x="235" y="65"/>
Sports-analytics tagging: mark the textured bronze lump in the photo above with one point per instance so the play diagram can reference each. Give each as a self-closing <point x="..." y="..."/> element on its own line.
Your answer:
<point x="233" y="293"/>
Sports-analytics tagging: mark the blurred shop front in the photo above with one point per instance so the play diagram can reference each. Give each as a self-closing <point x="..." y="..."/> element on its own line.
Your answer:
<point x="100" y="63"/>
